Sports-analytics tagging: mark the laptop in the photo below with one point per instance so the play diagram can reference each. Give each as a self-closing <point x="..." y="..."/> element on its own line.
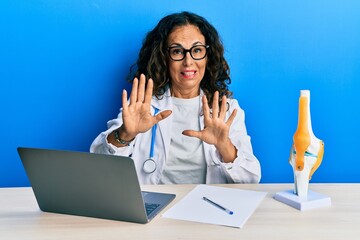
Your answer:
<point x="89" y="184"/>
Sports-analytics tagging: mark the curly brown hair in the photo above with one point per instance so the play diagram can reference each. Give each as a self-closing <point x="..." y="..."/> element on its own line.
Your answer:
<point x="152" y="59"/>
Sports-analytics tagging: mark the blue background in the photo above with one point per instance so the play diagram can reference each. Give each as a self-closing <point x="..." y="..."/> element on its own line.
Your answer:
<point x="63" y="66"/>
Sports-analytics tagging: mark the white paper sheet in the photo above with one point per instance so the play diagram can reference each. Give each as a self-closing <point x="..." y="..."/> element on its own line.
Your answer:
<point x="193" y="208"/>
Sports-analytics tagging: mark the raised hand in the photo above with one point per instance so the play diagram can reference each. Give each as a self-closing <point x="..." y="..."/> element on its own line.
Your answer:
<point x="216" y="129"/>
<point x="137" y="117"/>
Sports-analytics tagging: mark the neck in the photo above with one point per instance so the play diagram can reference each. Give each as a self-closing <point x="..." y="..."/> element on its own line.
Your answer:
<point x="182" y="93"/>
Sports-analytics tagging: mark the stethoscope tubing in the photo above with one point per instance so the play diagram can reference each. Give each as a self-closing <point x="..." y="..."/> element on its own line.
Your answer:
<point x="149" y="165"/>
<point x="153" y="135"/>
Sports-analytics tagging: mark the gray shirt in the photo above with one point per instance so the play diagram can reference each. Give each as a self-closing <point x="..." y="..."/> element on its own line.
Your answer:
<point x="186" y="161"/>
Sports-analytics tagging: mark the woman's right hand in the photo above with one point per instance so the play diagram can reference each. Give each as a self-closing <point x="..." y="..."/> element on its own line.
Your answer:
<point x="137" y="117"/>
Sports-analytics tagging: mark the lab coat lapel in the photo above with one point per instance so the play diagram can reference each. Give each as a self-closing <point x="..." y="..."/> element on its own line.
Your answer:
<point x="202" y="125"/>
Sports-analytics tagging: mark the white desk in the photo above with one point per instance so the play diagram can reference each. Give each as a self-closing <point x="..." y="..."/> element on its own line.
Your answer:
<point x="20" y="218"/>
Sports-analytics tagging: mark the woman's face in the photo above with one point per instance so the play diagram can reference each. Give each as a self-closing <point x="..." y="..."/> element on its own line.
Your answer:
<point x="186" y="74"/>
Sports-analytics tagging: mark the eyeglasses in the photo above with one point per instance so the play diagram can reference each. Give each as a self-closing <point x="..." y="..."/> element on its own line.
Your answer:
<point x="197" y="52"/>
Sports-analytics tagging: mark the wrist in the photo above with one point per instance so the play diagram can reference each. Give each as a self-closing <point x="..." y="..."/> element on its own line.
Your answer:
<point x="223" y="144"/>
<point x="119" y="139"/>
<point x="227" y="151"/>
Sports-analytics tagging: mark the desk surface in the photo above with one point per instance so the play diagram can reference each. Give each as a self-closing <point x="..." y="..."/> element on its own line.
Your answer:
<point x="20" y="218"/>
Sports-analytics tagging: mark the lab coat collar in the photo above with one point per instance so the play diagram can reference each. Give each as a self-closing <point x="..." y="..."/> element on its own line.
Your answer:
<point x="165" y="102"/>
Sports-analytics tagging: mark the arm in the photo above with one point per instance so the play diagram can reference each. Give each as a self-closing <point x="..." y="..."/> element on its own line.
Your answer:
<point x="246" y="167"/>
<point x="102" y="145"/>
<point x="226" y="132"/>
<point x="216" y="128"/>
<point x="134" y="118"/>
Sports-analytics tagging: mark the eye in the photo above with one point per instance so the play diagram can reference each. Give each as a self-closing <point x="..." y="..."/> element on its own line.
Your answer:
<point x="197" y="49"/>
<point x="176" y="51"/>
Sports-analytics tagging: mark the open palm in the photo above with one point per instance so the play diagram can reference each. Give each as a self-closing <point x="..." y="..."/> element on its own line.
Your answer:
<point x="216" y="129"/>
<point x="137" y="117"/>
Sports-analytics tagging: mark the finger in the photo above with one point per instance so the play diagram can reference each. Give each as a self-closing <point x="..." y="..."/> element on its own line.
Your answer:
<point x="192" y="133"/>
<point x="223" y="108"/>
<point x="124" y="101"/>
<point x="149" y="91"/>
<point x="141" y="89"/>
<point x="231" y="118"/>
<point x="215" y="105"/>
<point x="162" y="115"/>
<point x="134" y="90"/>
<point x="206" y="108"/>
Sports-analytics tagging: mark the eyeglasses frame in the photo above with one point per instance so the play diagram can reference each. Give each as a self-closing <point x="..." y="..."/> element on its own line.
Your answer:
<point x="188" y="51"/>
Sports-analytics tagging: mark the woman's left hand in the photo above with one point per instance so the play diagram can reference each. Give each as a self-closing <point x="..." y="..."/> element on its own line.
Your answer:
<point x="216" y="129"/>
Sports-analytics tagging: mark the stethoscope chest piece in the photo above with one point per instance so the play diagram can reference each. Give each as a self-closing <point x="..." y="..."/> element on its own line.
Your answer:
<point x="149" y="166"/>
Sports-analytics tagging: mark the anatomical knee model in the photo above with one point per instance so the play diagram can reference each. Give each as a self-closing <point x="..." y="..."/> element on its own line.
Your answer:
<point x="307" y="151"/>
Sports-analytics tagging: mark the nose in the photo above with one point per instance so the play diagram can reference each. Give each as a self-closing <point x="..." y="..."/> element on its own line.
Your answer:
<point x="188" y="60"/>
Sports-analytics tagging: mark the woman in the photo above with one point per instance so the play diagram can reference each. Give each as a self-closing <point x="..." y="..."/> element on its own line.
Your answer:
<point x="180" y="126"/>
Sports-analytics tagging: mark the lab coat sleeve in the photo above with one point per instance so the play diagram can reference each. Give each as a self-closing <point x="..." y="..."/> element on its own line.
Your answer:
<point x="246" y="167"/>
<point x="102" y="146"/>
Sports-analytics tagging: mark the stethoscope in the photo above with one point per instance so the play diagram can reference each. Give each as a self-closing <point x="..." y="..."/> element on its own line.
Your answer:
<point x="149" y="165"/>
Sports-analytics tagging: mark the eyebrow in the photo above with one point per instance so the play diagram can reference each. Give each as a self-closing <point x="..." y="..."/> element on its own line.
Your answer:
<point x="179" y="45"/>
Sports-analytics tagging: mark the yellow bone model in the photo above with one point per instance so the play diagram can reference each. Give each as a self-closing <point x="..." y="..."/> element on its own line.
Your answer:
<point x="307" y="151"/>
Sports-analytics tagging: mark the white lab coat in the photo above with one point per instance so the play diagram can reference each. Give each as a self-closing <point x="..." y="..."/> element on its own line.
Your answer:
<point x="244" y="169"/>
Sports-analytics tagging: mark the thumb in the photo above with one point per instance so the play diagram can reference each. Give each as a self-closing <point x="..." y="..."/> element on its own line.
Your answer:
<point x="162" y="115"/>
<point x="192" y="133"/>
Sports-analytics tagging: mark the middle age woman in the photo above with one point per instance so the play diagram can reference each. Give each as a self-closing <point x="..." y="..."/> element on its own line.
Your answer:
<point x="180" y="124"/>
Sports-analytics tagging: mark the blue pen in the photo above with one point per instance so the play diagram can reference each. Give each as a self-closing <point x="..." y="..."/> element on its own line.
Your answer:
<point x="218" y="206"/>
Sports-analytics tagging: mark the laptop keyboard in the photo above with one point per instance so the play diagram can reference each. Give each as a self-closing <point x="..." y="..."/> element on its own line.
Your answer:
<point x="150" y="207"/>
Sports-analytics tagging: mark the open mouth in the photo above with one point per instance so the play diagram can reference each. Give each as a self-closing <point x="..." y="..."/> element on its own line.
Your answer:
<point x="188" y="74"/>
